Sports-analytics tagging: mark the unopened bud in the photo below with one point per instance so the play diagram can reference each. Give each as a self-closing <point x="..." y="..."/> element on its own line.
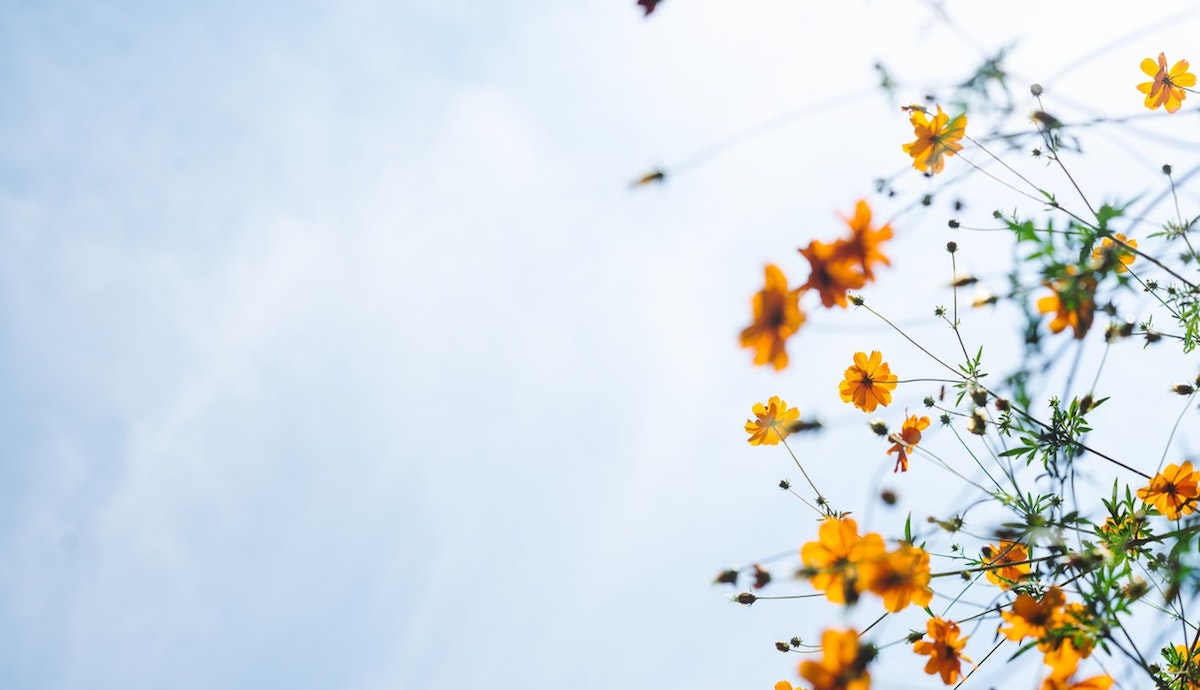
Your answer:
<point x="879" y="427"/>
<point x="1036" y="89"/>
<point x="782" y="646"/>
<point x="745" y="598"/>
<point x="951" y="247"/>
<point x="1183" y="389"/>
<point x="888" y="497"/>
<point x="727" y="577"/>
<point x="953" y="224"/>
<point x="1002" y="404"/>
<point x="979" y="396"/>
<point x="1166" y="169"/>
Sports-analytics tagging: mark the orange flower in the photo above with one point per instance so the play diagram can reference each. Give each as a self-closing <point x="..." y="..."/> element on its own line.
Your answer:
<point x="900" y="577"/>
<point x="772" y="422"/>
<point x="844" y="665"/>
<point x="1073" y="304"/>
<point x="863" y="246"/>
<point x="1114" y="254"/>
<point x="1031" y="618"/>
<point x="835" y="555"/>
<point x="935" y="138"/>
<point x="1063" y="658"/>
<point x="1053" y="682"/>
<point x="869" y="382"/>
<point x="777" y="317"/>
<point x="1173" y="491"/>
<point x="906" y="439"/>
<point x="1005" y="576"/>
<point x="783" y="685"/>
<point x="1168" y="88"/>
<point x="945" y="651"/>
<point x="832" y="274"/>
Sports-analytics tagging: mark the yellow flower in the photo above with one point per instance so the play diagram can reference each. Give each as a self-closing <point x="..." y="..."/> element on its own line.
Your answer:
<point x="935" y="138"/>
<point x="1114" y="254"/>
<point x="945" y="651"/>
<point x="869" y="382"/>
<point x="844" y="664"/>
<point x="900" y="577"/>
<point x="777" y="317"/>
<point x="1072" y="303"/>
<point x="906" y="439"/>
<point x="771" y="423"/>
<point x="1168" y="88"/>
<point x="834" y="557"/>
<point x="832" y="275"/>
<point x="1184" y="666"/>
<point x="863" y="247"/>
<point x="1173" y="491"/>
<point x="1004" y="575"/>
<point x="1053" y="682"/>
<point x="1031" y="618"/>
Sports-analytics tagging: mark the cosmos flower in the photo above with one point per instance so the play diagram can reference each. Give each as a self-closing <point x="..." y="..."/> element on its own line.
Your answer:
<point x="906" y="439"/>
<point x="777" y="317"/>
<point x="900" y="577"/>
<point x="1173" y="491"/>
<point x="832" y="275"/>
<point x="863" y="246"/>
<point x="944" y="650"/>
<point x="1073" y="304"/>
<point x="1005" y="576"/>
<point x="1114" y="254"/>
<point x="1168" y="88"/>
<point x="772" y="422"/>
<point x="868" y="382"/>
<point x="833" y="558"/>
<point x="936" y="138"/>
<point x="843" y="665"/>
<point x="1032" y="618"/>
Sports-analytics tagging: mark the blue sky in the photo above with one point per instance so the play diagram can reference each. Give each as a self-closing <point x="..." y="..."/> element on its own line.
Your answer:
<point x="337" y="353"/>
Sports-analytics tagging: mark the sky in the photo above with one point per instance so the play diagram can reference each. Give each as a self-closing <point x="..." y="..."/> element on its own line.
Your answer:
<point x="336" y="351"/>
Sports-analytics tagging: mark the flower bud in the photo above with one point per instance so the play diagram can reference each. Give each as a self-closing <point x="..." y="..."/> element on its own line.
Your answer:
<point x="782" y="646"/>
<point x="727" y="577"/>
<point x="745" y="598"/>
<point x="1183" y="389"/>
<point x="951" y="247"/>
<point x="1036" y="90"/>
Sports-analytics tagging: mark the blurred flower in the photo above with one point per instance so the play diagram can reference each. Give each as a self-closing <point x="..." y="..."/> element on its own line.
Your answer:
<point x="834" y="556"/>
<point x="1114" y="254"/>
<point x="906" y="439"/>
<point x="868" y="382"/>
<point x="1062" y="656"/>
<point x="900" y="577"/>
<point x="844" y="664"/>
<point x="1004" y="576"/>
<point x="832" y="276"/>
<point x="863" y="247"/>
<point x="1167" y="89"/>
<point x="771" y="423"/>
<point x="777" y="317"/>
<point x="1032" y="618"/>
<point x="1072" y="303"/>
<point x="944" y="650"/>
<point x="1173" y="491"/>
<point x="935" y="138"/>
<point x="783" y="685"/>
<point x="1095" y="683"/>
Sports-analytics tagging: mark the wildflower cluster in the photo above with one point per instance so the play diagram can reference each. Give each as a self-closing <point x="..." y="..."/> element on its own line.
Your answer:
<point x="1066" y="569"/>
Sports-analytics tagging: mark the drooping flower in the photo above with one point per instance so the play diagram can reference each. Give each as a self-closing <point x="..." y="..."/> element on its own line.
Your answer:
<point x="1073" y="304"/>
<point x="1114" y="254"/>
<point x="863" y="246"/>
<point x="832" y="275"/>
<point x="1168" y="88"/>
<point x="944" y="651"/>
<point x="900" y="577"/>
<point x="834" y="558"/>
<point x="777" y="317"/>
<point x="868" y="382"/>
<point x="1032" y="618"/>
<point x="843" y="665"/>
<point x="1173" y="491"/>
<point x="906" y="439"/>
<point x="771" y="423"/>
<point x="936" y="138"/>
<point x="1004" y="575"/>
